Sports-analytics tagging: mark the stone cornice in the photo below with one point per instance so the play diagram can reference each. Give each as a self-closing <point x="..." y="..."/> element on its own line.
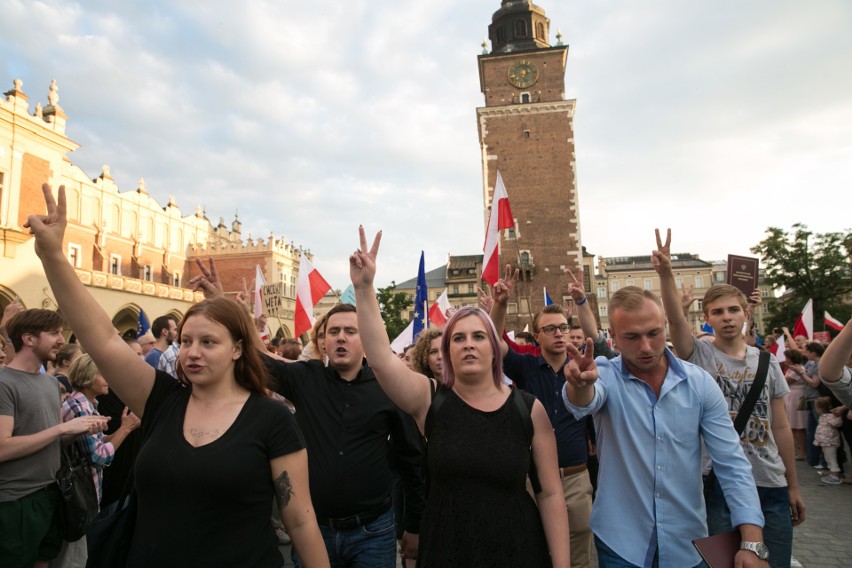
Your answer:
<point x="528" y="108"/>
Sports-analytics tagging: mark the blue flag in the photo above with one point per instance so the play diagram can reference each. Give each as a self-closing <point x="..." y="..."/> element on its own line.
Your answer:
<point x="142" y="326"/>
<point x="547" y="300"/>
<point x="421" y="298"/>
<point x="707" y="329"/>
<point x="348" y="296"/>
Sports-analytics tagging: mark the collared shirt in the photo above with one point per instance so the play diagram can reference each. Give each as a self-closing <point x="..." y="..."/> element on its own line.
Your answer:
<point x="346" y="425"/>
<point x="534" y="375"/>
<point x="650" y="461"/>
<point x="169" y="358"/>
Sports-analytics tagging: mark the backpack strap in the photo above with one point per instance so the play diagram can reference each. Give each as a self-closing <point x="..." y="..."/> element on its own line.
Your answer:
<point x="526" y="417"/>
<point x="753" y="392"/>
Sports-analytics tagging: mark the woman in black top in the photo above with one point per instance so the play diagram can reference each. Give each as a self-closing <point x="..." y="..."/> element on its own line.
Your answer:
<point x="216" y="446"/>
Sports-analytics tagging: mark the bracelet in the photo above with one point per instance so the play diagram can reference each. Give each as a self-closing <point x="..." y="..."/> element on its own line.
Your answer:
<point x="583" y="302"/>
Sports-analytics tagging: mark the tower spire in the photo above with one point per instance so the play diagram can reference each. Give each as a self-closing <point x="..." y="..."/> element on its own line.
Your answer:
<point x="519" y="25"/>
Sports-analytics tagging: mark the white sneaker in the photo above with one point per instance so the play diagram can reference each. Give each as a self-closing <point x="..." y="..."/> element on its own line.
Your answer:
<point x="819" y="466"/>
<point x="831" y="480"/>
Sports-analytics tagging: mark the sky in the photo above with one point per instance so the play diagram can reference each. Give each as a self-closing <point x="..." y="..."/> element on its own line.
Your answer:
<point x="717" y="119"/>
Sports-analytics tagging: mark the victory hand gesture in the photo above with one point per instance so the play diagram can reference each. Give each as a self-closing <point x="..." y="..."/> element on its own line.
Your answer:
<point x="362" y="263"/>
<point x="662" y="257"/>
<point x="503" y="288"/>
<point x="581" y="370"/>
<point x="49" y="229"/>
<point x="208" y="281"/>
<point x="575" y="286"/>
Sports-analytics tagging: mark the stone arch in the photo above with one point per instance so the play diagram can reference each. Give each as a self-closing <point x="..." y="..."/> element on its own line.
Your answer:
<point x="126" y="319"/>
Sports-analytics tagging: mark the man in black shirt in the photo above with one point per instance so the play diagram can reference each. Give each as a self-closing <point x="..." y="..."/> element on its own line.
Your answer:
<point x="347" y="420"/>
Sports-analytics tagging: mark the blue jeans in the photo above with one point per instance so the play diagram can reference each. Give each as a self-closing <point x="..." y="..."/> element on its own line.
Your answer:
<point x="778" y="524"/>
<point x="370" y="546"/>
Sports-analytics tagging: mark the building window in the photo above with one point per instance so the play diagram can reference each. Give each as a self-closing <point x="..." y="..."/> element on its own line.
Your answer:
<point x="699" y="282"/>
<point x="628" y="282"/>
<point x="501" y="36"/>
<point x="75" y="255"/>
<point x="679" y="283"/>
<point x="512" y="308"/>
<point x="525" y="98"/>
<point x="526" y="260"/>
<point x="647" y="284"/>
<point x="521" y="29"/>
<point x="115" y="264"/>
<point x="602" y="310"/>
<point x="699" y="305"/>
<point x="455" y="289"/>
<point x="471" y="271"/>
<point x="539" y="30"/>
<point x="176" y="280"/>
<point x="511" y="233"/>
<point x="147" y="273"/>
<point x="601" y="292"/>
<point x="470" y="289"/>
<point x="613" y="285"/>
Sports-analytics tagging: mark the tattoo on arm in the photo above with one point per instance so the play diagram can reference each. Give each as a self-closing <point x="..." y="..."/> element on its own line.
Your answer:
<point x="283" y="490"/>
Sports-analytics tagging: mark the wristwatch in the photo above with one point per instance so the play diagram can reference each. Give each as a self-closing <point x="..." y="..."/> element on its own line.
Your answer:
<point x="757" y="547"/>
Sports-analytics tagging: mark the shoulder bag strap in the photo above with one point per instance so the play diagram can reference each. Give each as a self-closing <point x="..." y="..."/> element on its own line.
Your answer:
<point x="751" y="398"/>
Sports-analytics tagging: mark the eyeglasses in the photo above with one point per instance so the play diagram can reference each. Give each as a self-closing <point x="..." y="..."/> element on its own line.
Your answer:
<point x="551" y="329"/>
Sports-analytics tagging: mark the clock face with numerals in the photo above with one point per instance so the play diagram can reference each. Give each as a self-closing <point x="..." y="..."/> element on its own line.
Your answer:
<point x="523" y="74"/>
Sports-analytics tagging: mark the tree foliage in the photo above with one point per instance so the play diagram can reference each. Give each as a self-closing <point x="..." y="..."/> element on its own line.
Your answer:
<point x="808" y="266"/>
<point x="392" y="306"/>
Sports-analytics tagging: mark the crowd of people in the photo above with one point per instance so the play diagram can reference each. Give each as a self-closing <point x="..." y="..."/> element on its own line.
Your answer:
<point x="473" y="447"/>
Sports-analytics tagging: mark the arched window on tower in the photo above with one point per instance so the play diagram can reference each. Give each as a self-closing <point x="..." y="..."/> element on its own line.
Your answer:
<point x="521" y="29"/>
<point x="539" y="31"/>
<point x="501" y="36"/>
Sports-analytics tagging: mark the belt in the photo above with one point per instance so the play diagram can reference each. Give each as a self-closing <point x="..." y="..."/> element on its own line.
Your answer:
<point x="356" y="521"/>
<point x="572" y="469"/>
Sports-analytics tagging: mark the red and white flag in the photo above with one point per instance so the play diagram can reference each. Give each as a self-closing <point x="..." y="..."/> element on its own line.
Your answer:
<point x="781" y="349"/>
<point x="501" y="218"/>
<point x="833" y="323"/>
<point x="438" y="312"/>
<point x="310" y="288"/>
<point x="805" y="321"/>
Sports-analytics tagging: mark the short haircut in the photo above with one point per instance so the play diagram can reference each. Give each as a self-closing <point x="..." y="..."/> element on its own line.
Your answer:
<point x="290" y="348"/>
<point x="34" y="322"/>
<point x="340" y="309"/>
<point x="816" y="348"/>
<point x="160" y="324"/>
<point x="631" y="299"/>
<point x="83" y="372"/>
<point x="420" y="357"/>
<point x="525" y="335"/>
<point x="719" y="291"/>
<point x="549" y="309"/>
<point x="575" y="327"/>
<point x="823" y="404"/>
<point x="66" y="354"/>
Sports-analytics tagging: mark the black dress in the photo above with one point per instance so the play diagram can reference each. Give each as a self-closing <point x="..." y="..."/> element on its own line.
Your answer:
<point x="478" y="512"/>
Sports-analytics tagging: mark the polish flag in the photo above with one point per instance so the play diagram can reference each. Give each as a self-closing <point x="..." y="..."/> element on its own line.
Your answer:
<point x="780" y="349"/>
<point x="438" y="312"/>
<point x="833" y="323"/>
<point x="501" y="218"/>
<point x="404" y="339"/>
<point x="310" y="288"/>
<point x="805" y="321"/>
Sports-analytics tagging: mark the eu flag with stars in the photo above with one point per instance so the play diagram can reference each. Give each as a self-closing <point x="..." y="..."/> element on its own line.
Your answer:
<point x="421" y="298"/>
<point x="142" y="326"/>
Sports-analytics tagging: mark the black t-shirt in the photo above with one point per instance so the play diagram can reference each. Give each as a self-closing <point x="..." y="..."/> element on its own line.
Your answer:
<point x="208" y="506"/>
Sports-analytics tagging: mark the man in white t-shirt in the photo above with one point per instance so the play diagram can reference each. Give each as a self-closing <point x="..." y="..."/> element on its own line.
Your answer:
<point x="767" y="439"/>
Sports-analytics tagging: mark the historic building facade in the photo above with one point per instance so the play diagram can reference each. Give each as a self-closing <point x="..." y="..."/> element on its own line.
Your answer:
<point x="133" y="253"/>
<point x="526" y="131"/>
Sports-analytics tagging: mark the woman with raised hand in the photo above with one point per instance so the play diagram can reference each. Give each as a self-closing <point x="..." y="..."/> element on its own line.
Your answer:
<point x="216" y="447"/>
<point x="479" y="453"/>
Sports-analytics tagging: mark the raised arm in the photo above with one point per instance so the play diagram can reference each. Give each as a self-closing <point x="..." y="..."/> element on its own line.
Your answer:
<point x="500" y="294"/>
<point x="580" y="375"/>
<point x="410" y="391"/>
<point x="584" y="310"/>
<point x="681" y="334"/>
<point x="128" y="375"/>
<point x="836" y="355"/>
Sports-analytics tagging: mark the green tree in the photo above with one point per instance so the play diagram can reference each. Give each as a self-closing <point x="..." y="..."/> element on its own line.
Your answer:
<point x="808" y="266"/>
<point x="393" y="305"/>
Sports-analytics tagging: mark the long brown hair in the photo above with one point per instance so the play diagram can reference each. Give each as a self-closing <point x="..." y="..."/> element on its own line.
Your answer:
<point x="249" y="371"/>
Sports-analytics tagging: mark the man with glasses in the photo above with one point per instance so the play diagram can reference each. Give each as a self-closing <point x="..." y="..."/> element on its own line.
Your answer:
<point x="542" y="376"/>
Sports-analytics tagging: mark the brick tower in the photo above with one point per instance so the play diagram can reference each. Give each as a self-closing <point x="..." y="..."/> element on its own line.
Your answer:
<point x="526" y="131"/>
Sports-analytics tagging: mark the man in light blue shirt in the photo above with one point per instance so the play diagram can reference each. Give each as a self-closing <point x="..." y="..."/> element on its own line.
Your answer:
<point x="651" y="412"/>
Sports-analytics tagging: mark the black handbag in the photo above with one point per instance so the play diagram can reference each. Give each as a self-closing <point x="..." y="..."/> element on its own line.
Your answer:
<point x="78" y="498"/>
<point x="108" y="539"/>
